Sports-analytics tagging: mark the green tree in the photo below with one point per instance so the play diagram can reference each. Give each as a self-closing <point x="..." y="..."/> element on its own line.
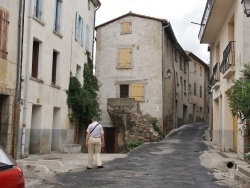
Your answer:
<point x="83" y="100"/>
<point x="239" y="96"/>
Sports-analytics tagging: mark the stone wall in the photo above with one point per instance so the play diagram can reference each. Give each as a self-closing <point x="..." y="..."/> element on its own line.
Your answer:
<point x="132" y="125"/>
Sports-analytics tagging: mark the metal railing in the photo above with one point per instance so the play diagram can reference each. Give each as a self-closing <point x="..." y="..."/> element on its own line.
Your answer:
<point x="216" y="75"/>
<point x="228" y="57"/>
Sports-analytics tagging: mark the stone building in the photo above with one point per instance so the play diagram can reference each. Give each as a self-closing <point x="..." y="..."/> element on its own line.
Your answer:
<point x="225" y="27"/>
<point x="198" y="90"/>
<point x="9" y="59"/>
<point x="54" y="37"/>
<point x="135" y="56"/>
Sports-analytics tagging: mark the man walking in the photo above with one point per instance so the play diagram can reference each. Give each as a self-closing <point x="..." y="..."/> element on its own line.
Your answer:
<point x="94" y="142"/>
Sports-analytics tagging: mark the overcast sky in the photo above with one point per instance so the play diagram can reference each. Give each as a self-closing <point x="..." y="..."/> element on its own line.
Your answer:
<point x="180" y="13"/>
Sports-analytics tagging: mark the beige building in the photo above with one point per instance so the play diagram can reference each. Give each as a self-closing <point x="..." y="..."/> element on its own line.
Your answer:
<point x="198" y="90"/>
<point x="226" y="28"/>
<point x="56" y="36"/>
<point x="134" y="54"/>
<point x="9" y="60"/>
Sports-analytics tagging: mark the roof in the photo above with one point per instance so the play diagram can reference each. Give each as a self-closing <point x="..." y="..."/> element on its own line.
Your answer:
<point x="197" y="59"/>
<point x="133" y="14"/>
<point x="164" y="23"/>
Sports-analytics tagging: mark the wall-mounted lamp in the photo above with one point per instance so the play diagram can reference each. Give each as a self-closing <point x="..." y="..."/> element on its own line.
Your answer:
<point x="246" y="4"/>
<point x="169" y="73"/>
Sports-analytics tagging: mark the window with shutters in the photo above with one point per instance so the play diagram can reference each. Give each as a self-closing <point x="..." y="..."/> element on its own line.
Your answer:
<point x="124" y="91"/>
<point x="79" y="29"/>
<point x="38" y="9"/>
<point x="54" y="67"/>
<point x="58" y="15"/>
<point x="194" y="89"/>
<point x="125" y="58"/>
<point x="137" y="92"/>
<point x="4" y="24"/>
<point x="126" y="28"/>
<point x="35" y="59"/>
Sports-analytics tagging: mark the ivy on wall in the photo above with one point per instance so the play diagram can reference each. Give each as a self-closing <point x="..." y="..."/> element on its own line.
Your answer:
<point x="83" y="99"/>
<point x="239" y="96"/>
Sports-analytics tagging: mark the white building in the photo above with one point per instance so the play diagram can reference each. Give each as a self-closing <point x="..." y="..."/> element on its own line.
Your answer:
<point x="226" y="28"/>
<point x="56" y="36"/>
<point x="133" y="55"/>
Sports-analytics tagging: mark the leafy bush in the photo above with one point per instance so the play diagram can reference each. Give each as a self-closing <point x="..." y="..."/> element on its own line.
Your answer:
<point x="239" y="96"/>
<point x="134" y="144"/>
<point x="154" y="123"/>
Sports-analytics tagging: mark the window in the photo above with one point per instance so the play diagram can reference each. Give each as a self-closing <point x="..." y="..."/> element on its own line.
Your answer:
<point x="124" y="91"/>
<point x="54" y="67"/>
<point x="200" y="91"/>
<point x="79" y="29"/>
<point x="124" y="58"/>
<point x="38" y="9"/>
<point x="201" y="71"/>
<point x="194" y="67"/>
<point x="177" y="79"/>
<point x="185" y="86"/>
<point x="175" y="55"/>
<point x="4" y="24"/>
<point x="35" y="59"/>
<point x="89" y="1"/>
<point x="87" y="37"/>
<point x="137" y="92"/>
<point x="58" y="15"/>
<point x="189" y="88"/>
<point x="194" y="88"/>
<point x="126" y="28"/>
<point x="184" y="66"/>
<point x="180" y="62"/>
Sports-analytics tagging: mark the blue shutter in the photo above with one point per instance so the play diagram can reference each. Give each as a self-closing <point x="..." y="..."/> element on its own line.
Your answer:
<point x="76" y="27"/>
<point x="83" y="33"/>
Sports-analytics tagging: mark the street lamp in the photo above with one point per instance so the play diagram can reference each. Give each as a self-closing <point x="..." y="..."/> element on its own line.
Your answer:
<point x="246" y="4"/>
<point x="169" y="73"/>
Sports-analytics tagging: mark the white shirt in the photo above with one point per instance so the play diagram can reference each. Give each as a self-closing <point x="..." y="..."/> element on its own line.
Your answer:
<point x="97" y="132"/>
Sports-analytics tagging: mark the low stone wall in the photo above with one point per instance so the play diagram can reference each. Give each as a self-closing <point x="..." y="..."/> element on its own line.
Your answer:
<point x="132" y="125"/>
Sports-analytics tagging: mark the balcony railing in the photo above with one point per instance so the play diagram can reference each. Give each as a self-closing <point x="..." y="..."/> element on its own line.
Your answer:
<point x="228" y="58"/>
<point x="216" y="75"/>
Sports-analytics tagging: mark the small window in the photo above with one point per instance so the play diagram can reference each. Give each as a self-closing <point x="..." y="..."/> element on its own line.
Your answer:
<point x="38" y="9"/>
<point x="125" y="57"/>
<point x="124" y="91"/>
<point x="126" y="28"/>
<point x="200" y="91"/>
<point x="35" y="59"/>
<point x="177" y="79"/>
<point x="79" y="29"/>
<point x="54" y="67"/>
<point x="58" y="15"/>
<point x="201" y="71"/>
<point x="89" y="1"/>
<point x="194" y="89"/>
<point x="175" y="54"/>
<point x="180" y="62"/>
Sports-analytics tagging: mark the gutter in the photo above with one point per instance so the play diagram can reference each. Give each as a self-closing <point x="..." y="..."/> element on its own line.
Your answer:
<point x="163" y="69"/>
<point x="94" y="30"/>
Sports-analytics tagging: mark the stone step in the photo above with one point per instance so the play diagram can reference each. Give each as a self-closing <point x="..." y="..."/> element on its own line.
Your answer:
<point x="242" y="178"/>
<point x="245" y="169"/>
<point x="72" y="148"/>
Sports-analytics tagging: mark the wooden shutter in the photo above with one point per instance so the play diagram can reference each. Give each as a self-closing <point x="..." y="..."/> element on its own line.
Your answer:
<point x="124" y="58"/>
<point x="4" y="23"/>
<point x="126" y="28"/>
<point x="137" y="92"/>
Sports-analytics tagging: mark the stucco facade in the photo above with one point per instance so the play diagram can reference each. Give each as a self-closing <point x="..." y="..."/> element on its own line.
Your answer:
<point x="56" y="36"/>
<point x="198" y="90"/>
<point x="226" y="29"/>
<point x="130" y="63"/>
<point x="8" y="67"/>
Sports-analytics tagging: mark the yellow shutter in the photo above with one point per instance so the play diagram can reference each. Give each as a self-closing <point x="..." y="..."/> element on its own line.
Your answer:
<point x="126" y="27"/>
<point x="137" y="92"/>
<point x="124" y="58"/>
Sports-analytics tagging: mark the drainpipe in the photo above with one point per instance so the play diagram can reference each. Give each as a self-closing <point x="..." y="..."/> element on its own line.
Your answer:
<point x="94" y="31"/>
<point x="163" y="69"/>
<point x="27" y="73"/>
<point x="18" y="80"/>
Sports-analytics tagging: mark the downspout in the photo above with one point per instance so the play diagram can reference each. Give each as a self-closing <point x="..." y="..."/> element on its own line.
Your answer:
<point x="163" y="69"/>
<point x="94" y="31"/>
<point x="17" y="101"/>
<point x="174" y="87"/>
<point x="26" y="81"/>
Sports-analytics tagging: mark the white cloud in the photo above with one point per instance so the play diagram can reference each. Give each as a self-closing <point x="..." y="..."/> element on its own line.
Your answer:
<point x="180" y="13"/>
